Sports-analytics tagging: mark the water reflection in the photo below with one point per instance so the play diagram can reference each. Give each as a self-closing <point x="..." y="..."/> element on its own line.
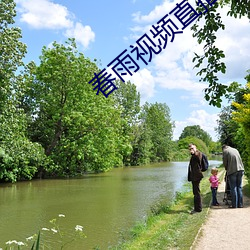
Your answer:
<point x="105" y="204"/>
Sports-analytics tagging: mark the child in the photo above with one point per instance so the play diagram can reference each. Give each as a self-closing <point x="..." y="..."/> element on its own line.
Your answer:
<point x="214" y="185"/>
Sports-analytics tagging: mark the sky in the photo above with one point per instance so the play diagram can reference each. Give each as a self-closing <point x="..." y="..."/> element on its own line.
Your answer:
<point x="105" y="28"/>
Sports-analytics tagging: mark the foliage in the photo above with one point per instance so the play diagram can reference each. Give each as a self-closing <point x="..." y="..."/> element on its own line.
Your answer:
<point x="201" y="146"/>
<point x="196" y="131"/>
<point x="12" y="50"/>
<point x="53" y="123"/>
<point x="79" y="130"/>
<point x="127" y="99"/>
<point x="242" y="116"/>
<point x="233" y="123"/>
<point x="215" y="148"/>
<point x="210" y="62"/>
<point x="157" y="122"/>
<point x="178" y="154"/>
<point x="181" y="154"/>
<point x="21" y="160"/>
<point x="142" y="145"/>
<point x="20" y="157"/>
<point x="227" y="127"/>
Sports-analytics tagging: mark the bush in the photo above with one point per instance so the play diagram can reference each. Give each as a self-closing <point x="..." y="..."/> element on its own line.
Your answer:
<point x="21" y="160"/>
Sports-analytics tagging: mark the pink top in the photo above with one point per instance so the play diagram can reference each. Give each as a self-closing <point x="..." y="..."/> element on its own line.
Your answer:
<point x="214" y="181"/>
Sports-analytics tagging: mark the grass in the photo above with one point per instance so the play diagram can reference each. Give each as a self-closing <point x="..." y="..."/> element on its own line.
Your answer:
<point x="246" y="188"/>
<point x="170" y="226"/>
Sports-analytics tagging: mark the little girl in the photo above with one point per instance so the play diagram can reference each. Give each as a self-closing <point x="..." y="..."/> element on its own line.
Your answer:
<point x="214" y="185"/>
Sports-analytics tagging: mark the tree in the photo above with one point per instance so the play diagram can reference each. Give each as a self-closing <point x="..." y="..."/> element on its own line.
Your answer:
<point x="142" y="145"/>
<point x="12" y="50"/>
<point x="241" y="116"/>
<point x="201" y="146"/>
<point x="79" y="130"/>
<point x="233" y="125"/>
<point x="215" y="148"/>
<point x="227" y="128"/>
<point x="212" y="57"/>
<point x="155" y="119"/>
<point x="196" y="131"/>
<point x="20" y="158"/>
<point x="127" y="99"/>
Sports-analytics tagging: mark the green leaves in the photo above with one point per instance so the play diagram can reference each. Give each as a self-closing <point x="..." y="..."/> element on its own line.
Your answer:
<point x="157" y="127"/>
<point x="20" y="157"/>
<point x="196" y="131"/>
<point x="210" y="63"/>
<point x="239" y="8"/>
<point x="79" y="130"/>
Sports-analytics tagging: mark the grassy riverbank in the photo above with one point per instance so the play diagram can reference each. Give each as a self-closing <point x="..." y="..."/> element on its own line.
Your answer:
<point x="170" y="227"/>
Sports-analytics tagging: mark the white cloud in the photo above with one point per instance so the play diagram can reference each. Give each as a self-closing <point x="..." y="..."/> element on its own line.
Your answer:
<point x="145" y="83"/>
<point x="235" y="41"/>
<point x="44" y="14"/>
<point x="158" y="12"/>
<point x="173" y="67"/>
<point x="200" y="117"/>
<point x="83" y="34"/>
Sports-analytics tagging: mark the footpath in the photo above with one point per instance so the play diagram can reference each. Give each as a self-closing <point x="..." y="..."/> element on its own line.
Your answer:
<point x="225" y="228"/>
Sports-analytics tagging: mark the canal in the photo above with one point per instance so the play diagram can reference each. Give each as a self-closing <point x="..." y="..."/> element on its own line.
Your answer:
<point x="105" y="204"/>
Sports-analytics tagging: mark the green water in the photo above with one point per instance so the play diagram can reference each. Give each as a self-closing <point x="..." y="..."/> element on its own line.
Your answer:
<point x="105" y="204"/>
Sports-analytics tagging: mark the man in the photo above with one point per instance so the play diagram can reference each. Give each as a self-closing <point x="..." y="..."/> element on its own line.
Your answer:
<point x="195" y="175"/>
<point x="235" y="170"/>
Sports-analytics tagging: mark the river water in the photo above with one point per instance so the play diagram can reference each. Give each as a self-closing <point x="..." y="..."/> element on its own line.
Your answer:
<point x="104" y="204"/>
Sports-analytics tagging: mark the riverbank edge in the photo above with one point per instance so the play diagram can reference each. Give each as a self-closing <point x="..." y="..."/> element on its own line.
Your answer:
<point x="171" y="226"/>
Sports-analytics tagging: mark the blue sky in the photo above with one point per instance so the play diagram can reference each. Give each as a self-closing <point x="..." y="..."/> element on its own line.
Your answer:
<point x="104" y="28"/>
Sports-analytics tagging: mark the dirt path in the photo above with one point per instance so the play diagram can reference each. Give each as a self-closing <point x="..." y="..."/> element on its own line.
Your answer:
<point x="225" y="228"/>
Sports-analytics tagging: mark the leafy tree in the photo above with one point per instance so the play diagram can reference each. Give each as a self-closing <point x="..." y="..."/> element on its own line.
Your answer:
<point x="179" y="154"/>
<point x="79" y="130"/>
<point x="12" y="50"/>
<point x="215" y="147"/>
<point x="232" y="125"/>
<point x="156" y="120"/>
<point x="212" y="58"/>
<point x="127" y="99"/>
<point x="19" y="157"/>
<point x="183" y="144"/>
<point x="227" y="127"/>
<point x="196" y="131"/>
<point x="142" y="145"/>
<point x="241" y="115"/>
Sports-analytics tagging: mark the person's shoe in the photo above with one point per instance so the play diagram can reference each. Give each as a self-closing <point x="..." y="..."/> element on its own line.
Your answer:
<point x="217" y="204"/>
<point x="231" y="206"/>
<point x="241" y="206"/>
<point x="194" y="212"/>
